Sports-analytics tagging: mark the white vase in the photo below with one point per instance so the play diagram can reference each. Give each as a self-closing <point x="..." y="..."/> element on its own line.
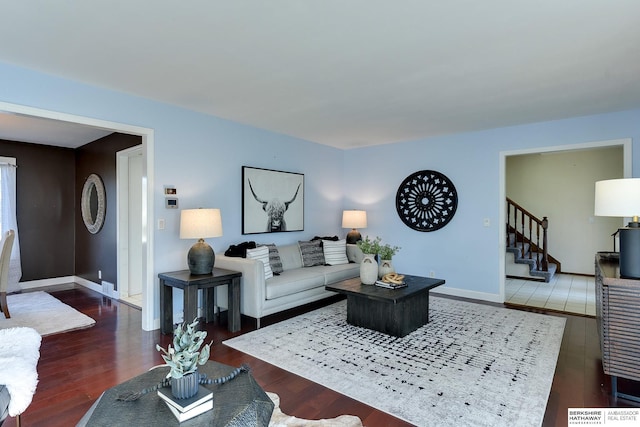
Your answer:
<point x="385" y="267"/>
<point x="368" y="270"/>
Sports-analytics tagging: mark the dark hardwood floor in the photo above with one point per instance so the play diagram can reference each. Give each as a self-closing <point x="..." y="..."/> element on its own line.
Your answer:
<point x="76" y="367"/>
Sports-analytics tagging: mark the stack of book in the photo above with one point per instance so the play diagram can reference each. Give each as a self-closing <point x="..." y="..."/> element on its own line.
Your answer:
<point x="390" y="285"/>
<point x="184" y="409"/>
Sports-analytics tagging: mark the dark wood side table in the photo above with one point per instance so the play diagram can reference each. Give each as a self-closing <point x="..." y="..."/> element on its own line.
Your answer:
<point x="190" y="284"/>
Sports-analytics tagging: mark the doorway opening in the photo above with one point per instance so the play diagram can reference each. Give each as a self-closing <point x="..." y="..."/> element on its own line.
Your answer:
<point x="572" y="219"/>
<point x="147" y="146"/>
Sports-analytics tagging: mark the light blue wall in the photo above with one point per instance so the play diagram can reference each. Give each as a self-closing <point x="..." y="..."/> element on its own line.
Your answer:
<point x="464" y="252"/>
<point x="202" y="156"/>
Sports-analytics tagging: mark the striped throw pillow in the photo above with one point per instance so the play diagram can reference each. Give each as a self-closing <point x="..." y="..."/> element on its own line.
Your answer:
<point x="261" y="253"/>
<point x="335" y="253"/>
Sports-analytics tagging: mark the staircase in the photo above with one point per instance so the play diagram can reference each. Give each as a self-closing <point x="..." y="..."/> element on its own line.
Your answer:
<point x="527" y="241"/>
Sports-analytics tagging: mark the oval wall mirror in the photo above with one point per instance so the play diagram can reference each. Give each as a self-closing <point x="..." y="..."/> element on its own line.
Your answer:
<point x="93" y="203"/>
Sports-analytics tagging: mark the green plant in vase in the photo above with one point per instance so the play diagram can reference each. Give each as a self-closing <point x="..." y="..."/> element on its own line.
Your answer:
<point x="369" y="265"/>
<point x="183" y="358"/>
<point x="188" y="350"/>
<point x="387" y="251"/>
<point x="368" y="246"/>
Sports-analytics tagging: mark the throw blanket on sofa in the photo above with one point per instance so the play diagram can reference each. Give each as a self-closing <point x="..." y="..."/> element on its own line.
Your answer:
<point x="19" y="354"/>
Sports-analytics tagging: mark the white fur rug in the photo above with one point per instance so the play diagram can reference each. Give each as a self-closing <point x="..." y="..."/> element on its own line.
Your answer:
<point x="471" y="365"/>
<point x="19" y="354"/>
<point x="44" y="313"/>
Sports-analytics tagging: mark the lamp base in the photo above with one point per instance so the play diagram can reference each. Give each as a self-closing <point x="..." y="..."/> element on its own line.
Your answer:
<point x="201" y="258"/>
<point x="630" y="252"/>
<point x="353" y="236"/>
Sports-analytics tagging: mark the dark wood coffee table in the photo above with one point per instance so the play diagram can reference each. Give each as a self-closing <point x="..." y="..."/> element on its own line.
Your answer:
<point x="395" y="312"/>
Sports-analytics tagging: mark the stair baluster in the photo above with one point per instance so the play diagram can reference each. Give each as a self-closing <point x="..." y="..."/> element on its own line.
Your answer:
<point x="531" y="234"/>
<point x="545" y="254"/>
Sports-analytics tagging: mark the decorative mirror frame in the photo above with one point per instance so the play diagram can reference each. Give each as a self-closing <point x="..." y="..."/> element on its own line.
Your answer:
<point x="93" y="181"/>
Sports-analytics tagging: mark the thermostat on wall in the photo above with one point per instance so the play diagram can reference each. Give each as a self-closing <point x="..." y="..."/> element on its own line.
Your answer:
<point x="171" y="202"/>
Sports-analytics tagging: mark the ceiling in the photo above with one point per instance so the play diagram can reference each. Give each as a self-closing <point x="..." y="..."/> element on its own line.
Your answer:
<point x="14" y="127"/>
<point x="344" y="73"/>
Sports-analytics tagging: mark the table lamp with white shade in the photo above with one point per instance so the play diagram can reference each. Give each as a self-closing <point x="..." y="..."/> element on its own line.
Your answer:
<point x="200" y="224"/>
<point x="354" y="219"/>
<point x="621" y="198"/>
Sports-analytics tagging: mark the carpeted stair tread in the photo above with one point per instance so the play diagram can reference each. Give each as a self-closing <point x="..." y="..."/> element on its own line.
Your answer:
<point x="516" y="249"/>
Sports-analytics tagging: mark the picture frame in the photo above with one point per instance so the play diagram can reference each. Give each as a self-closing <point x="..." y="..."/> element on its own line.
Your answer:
<point x="272" y="201"/>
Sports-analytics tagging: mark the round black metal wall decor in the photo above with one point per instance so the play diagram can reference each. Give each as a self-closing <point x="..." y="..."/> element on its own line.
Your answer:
<point x="426" y="200"/>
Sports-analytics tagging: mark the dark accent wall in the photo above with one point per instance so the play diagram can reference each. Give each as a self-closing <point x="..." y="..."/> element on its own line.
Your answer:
<point x="99" y="251"/>
<point x="45" y="208"/>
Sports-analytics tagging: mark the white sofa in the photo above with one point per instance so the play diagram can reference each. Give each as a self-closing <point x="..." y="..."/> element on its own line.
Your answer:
<point x="294" y="286"/>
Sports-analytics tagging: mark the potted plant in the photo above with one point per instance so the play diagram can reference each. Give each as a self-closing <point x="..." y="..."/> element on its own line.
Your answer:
<point x="184" y="357"/>
<point x="369" y="265"/>
<point x="368" y="246"/>
<point x="386" y="252"/>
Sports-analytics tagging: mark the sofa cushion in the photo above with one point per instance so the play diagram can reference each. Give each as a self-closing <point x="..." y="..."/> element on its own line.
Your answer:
<point x="336" y="273"/>
<point x="293" y="281"/>
<point x="274" y="258"/>
<point x="261" y="253"/>
<point x="311" y="251"/>
<point x="335" y="252"/>
<point x="290" y="256"/>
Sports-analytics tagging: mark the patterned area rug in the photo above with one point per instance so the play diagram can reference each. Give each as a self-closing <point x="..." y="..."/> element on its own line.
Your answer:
<point x="471" y="365"/>
<point x="44" y="313"/>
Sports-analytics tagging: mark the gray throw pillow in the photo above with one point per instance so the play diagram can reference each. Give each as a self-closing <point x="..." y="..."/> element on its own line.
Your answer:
<point x="312" y="253"/>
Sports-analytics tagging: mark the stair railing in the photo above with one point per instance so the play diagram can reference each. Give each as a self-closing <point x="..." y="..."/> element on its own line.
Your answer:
<point x="527" y="228"/>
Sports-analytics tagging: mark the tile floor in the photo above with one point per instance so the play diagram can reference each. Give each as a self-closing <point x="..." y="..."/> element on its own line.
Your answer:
<point x="565" y="292"/>
<point x="135" y="300"/>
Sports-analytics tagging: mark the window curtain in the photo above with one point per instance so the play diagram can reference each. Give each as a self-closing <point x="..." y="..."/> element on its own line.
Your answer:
<point x="8" y="221"/>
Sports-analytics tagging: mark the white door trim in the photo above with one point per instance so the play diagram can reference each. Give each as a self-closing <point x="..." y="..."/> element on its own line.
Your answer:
<point x="147" y="134"/>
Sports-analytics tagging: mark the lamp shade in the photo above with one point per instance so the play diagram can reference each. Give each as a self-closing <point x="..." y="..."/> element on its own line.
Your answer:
<point x="618" y="197"/>
<point x="621" y="197"/>
<point x="354" y="219"/>
<point x="200" y="223"/>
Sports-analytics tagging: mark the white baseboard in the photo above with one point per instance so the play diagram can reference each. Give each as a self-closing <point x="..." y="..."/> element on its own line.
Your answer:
<point x="105" y="288"/>
<point x="32" y="284"/>
<point x="483" y="296"/>
<point x="88" y="284"/>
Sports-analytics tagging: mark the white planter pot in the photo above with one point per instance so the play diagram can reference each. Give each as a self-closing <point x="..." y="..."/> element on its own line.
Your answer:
<point x="368" y="270"/>
<point x="385" y="267"/>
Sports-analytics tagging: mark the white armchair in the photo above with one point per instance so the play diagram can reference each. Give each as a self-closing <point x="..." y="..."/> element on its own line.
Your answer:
<point x="5" y="258"/>
<point x="19" y="354"/>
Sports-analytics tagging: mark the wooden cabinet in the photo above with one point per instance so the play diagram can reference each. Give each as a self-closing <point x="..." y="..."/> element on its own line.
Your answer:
<point x="618" y="319"/>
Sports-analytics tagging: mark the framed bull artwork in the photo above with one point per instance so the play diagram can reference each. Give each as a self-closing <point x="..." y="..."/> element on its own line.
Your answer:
<point x="272" y="201"/>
